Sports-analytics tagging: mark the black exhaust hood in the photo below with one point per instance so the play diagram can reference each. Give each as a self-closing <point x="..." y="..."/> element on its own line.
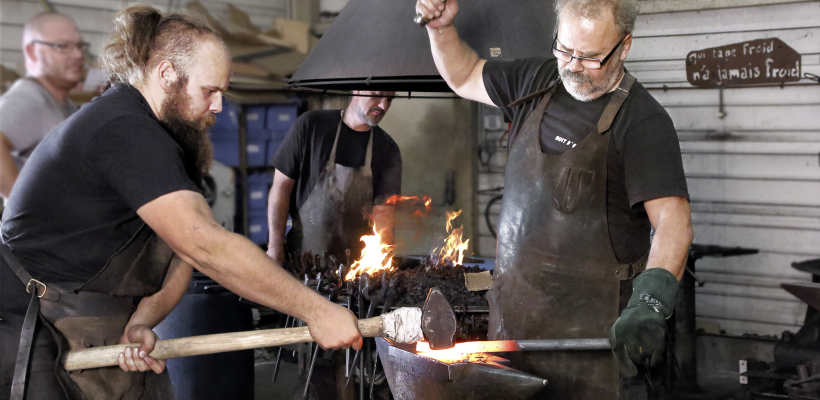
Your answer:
<point x="375" y="45"/>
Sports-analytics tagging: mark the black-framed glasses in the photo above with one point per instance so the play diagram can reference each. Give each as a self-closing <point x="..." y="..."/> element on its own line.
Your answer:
<point x="65" y="47"/>
<point x="586" y="62"/>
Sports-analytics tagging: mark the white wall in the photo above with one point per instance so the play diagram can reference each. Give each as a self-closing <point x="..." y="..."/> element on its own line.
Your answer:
<point x="754" y="175"/>
<point x="94" y="17"/>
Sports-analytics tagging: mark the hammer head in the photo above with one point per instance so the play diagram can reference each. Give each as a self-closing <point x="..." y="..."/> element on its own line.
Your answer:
<point x="438" y="320"/>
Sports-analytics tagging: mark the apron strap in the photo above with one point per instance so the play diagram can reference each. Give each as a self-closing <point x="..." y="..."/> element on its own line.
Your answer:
<point x="537" y="114"/>
<point x="18" y="384"/>
<point x="618" y="98"/>
<point x="534" y="95"/>
<point x="51" y="294"/>
<point x="368" y="158"/>
<point x="332" y="159"/>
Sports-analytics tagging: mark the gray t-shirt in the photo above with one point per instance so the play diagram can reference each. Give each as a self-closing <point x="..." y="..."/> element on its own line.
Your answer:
<point x="28" y="112"/>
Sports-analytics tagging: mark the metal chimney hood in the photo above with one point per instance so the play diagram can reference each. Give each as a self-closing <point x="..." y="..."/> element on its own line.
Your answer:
<point x="375" y="45"/>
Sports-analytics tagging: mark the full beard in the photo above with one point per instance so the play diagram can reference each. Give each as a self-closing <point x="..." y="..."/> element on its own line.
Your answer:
<point x="189" y="132"/>
<point x="584" y="88"/>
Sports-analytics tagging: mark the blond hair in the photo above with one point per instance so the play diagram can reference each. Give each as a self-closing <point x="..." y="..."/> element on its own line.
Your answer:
<point x="143" y="38"/>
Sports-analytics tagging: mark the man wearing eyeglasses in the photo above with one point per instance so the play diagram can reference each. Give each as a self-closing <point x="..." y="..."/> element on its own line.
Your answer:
<point x="593" y="164"/>
<point x="34" y="105"/>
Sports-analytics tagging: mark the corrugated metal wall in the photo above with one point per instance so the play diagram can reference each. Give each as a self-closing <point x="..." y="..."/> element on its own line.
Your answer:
<point x="94" y="17"/>
<point x="754" y="175"/>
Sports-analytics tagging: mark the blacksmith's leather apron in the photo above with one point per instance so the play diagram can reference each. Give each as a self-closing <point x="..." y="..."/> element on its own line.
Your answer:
<point x="557" y="276"/>
<point x="94" y="314"/>
<point x="337" y="212"/>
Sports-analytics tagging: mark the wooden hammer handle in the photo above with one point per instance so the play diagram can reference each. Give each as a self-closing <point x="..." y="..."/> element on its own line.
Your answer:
<point x="97" y="357"/>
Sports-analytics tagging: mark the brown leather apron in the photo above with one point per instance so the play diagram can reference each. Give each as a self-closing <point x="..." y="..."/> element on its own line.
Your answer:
<point x="557" y="276"/>
<point x="337" y="212"/>
<point x="94" y="314"/>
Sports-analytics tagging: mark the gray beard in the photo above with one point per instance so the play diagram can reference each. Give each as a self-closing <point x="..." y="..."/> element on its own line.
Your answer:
<point x="370" y="121"/>
<point x="572" y="82"/>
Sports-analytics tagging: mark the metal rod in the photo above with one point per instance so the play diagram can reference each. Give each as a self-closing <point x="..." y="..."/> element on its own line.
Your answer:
<point x="361" y="359"/>
<point x="373" y="373"/>
<point x="279" y="353"/>
<point x="310" y="372"/>
<point x="564" y="344"/>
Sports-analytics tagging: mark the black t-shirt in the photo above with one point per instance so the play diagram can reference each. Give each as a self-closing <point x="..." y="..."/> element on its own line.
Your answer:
<point x="306" y="149"/>
<point x="74" y="204"/>
<point x="643" y="160"/>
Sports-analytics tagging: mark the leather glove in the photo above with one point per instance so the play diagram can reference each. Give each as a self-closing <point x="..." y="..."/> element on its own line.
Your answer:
<point x="639" y="335"/>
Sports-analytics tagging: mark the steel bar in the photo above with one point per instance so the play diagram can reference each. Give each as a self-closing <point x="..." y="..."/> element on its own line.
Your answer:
<point x="279" y="353"/>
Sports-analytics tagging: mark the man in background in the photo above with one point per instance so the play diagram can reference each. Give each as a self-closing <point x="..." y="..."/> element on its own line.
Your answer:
<point x="334" y="172"/>
<point x="54" y="52"/>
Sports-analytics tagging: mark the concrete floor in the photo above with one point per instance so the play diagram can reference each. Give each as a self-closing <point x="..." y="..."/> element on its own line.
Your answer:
<point x="286" y="380"/>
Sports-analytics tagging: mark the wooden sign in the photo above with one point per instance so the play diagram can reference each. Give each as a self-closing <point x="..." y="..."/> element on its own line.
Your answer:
<point x="747" y="63"/>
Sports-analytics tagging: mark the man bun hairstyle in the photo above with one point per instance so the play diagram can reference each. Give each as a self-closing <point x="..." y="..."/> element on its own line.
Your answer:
<point x="142" y="38"/>
<point x="624" y="11"/>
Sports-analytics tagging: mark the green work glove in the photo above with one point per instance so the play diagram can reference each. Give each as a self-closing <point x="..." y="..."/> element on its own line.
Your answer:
<point x="639" y="335"/>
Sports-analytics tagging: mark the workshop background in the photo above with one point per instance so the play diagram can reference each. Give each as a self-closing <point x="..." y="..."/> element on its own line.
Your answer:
<point x="751" y="154"/>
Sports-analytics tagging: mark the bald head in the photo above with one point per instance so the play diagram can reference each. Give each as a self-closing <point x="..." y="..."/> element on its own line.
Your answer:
<point x="53" y="49"/>
<point x="46" y="25"/>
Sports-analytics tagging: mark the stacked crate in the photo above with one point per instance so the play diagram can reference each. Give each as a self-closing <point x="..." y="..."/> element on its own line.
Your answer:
<point x="266" y="126"/>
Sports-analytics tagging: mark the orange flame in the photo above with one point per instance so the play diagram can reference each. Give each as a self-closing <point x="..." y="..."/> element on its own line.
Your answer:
<point x="376" y="256"/>
<point x="453" y="249"/>
<point x="426" y="200"/>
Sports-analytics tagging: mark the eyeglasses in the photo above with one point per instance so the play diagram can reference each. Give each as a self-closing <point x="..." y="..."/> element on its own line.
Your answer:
<point x="586" y="62"/>
<point x="65" y="47"/>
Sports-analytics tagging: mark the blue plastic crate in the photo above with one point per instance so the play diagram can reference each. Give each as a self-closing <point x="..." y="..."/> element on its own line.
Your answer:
<point x="280" y="117"/>
<point x="224" y="134"/>
<point x="258" y="189"/>
<point x="278" y="135"/>
<point x="255" y="117"/>
<point x="256" y="149"/>
<point x="258" y="228"/>
<point x="228" y="119"/>
<point x="257" y="134"/>
<point x="226" y="151"/>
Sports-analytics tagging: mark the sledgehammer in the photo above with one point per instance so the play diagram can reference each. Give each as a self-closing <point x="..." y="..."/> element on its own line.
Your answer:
<point x="402" y="325"/>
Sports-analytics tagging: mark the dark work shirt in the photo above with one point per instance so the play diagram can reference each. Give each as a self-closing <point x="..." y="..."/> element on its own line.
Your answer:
<point x="643" y="160"/>
<point x="306" y="150"/>
<point x="74" y="204"/>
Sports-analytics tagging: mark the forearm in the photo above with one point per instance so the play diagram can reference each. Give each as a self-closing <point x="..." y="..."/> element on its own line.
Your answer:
<point x="184" y="221"/>
<point x="455" y="60"/>
<point x="278" y="207"/>
<point x="153" y="309"/>
<point x="670" y="245"/>
<point x="244" y="269"/>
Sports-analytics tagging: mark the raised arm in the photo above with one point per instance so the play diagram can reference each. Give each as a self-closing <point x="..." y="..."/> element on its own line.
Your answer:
<point x="457" y="63"/>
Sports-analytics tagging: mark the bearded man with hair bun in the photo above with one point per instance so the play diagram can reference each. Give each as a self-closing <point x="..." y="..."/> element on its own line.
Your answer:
<point x="107" y="220"/>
